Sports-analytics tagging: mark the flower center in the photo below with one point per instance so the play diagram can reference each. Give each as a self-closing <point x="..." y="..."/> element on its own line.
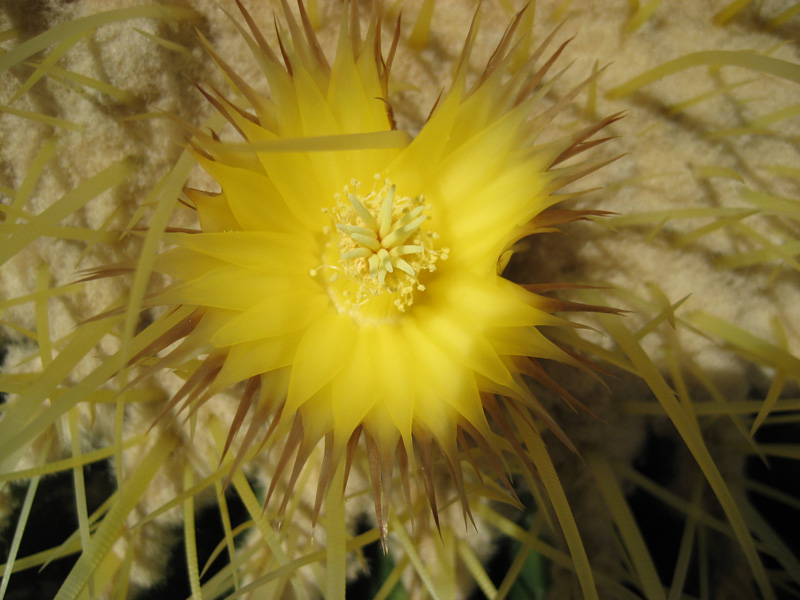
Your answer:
<point x="378" y="247"/>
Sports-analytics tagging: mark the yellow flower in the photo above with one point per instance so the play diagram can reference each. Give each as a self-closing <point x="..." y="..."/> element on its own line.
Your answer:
<point x="351" y="273"/>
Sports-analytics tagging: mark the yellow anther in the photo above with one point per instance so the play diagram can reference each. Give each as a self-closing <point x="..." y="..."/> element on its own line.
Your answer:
<point x="372" y="232"/>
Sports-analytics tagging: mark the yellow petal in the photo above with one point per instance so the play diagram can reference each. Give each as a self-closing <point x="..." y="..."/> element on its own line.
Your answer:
<point x="467" y="346"/>
<point x="441" y="377"/>
<point x="213" y="211"/>
<point x="493" y="302"/>
<point x="254" y="358"/>
<point x="184" y="264"/>
<point x="322" y="353"/>
<point x="280" y="314"/>
<point x="261" y="251"/>
<point x="252" y="198"/>
<point x="228" y="287"/>
<point x="393" y="359"/>
<point x="355" y="387"/>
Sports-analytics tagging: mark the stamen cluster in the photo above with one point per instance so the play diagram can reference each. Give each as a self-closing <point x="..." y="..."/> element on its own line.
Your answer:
<point x="381" y="245"/>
